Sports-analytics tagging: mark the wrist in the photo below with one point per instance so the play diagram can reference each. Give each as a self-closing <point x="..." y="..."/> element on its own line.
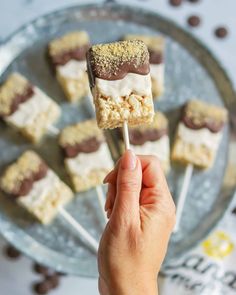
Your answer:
<point x="139" y="287"/>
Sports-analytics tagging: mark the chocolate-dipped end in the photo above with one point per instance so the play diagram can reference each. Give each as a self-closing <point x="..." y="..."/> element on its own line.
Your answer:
<point x="87" y="146"/>
<point x="206" y="122"/>
<point x="18" y="99"/>
<point x="26" y="183"/>
<point x="113" y="62"/>
<point x="156" y="57"/>
<point x="78" y="54"/>
<point x="139" y="137"/>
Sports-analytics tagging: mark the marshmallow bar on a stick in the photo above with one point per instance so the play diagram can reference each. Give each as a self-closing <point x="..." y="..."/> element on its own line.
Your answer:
<point x="156" y="47"/>
<point x="152" y="139"/>
<point x="68" y="56"/>
<point x="35" y="187"/>
<point x="120" y="82"/>
<point x="87" y="156"/>
<point x="199" y="133"/>
<point x="26" y="108"/>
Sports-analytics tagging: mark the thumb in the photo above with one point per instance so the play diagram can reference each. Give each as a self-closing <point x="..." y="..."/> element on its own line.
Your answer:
<point x="129" y="182"/>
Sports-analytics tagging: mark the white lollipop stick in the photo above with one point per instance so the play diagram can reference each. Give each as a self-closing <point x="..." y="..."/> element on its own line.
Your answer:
<point x="183" y="195"/>
<point x="91" y="242"/>
<point x="101" y="200"/>
<point x="126" y="135"/>
<point x="53" y="130"/>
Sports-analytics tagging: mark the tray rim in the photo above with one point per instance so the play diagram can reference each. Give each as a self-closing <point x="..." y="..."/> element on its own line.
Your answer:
<point x="138" y="10"/>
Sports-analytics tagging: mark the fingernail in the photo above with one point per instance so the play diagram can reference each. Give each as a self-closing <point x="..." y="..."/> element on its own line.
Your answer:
<point x="106" y="178"/>
<point x="109" y="213"/>
<point x="128" y="160"/>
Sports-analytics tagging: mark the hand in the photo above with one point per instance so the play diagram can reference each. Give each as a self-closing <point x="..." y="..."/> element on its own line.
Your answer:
<point x="142" y="216"/>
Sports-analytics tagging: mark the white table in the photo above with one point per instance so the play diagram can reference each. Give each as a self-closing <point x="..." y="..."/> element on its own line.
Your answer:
<point x="15" y="277"/>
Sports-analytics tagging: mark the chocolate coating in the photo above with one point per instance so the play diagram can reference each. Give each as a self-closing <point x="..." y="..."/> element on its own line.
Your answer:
<point x="214" y="127"/>
<point x="156" y="57"/>
<point x="95" y="71"/>
<point x="27" y="183"/>
<point x="76" y="54"/>
<point x="139" y="137"/>
<point x="113" y="61"/>
<point x="87" y="146"/>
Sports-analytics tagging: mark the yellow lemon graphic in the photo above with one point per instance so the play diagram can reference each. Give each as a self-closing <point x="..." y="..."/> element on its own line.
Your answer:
<point x="218" y="245"/>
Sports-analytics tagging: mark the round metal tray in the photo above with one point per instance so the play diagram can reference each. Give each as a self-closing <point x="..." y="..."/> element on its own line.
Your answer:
<point x="191" y="71"/>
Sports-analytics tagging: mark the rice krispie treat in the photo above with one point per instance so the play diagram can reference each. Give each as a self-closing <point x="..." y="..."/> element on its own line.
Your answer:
<point x="120" y="81"/>
<point x="87" y="157"/>
<point x="26" y="108"/>
<point x="156" y="47"/>
<point x="68" y="56"/>
<point x="152" y="139"/>
<point x="199" y="133"/>
<point x="35" y="187"/>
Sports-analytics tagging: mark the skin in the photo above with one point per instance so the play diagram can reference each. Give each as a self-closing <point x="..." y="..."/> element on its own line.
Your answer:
<point x="141" y="216"/>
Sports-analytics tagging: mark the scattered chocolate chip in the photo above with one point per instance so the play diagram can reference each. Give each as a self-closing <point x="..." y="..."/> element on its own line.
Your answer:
<point x="42" y="288"/>
<point x="61" y="274"/>
<point x="38" y="268"/>
<point x="221" y="32"/>
<point x="194" y="21"/>
<point x="53" y="280"/>
<point x="193" y="1"/>
<point x="175" y="2"/>
<point x="234" y="211"/>
<point x="12" y="252"/>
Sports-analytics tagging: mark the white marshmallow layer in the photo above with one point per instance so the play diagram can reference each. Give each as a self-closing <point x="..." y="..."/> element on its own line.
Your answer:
<point x="131" y="83"/>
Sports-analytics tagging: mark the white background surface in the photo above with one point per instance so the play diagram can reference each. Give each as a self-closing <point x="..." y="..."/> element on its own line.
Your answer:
<point x="16" y="277"/>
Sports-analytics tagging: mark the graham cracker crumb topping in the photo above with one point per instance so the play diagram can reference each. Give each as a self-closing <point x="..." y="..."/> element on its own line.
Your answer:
<point x="28" y="163"/>
<point x="154" y="43"/>
<point x="15" y="85"/>
<point x="68" y="42"/>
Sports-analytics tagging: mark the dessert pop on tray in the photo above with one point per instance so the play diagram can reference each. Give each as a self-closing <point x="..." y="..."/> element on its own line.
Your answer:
<point x="156" y="46"/>
<point x="87" y="156"/>
<point x="39" y="190"/>
<point x="119" y="76"/>
<point x="26" y="108"/>
<point x="197" y="140"/>
<point x="68" y="57"/>
<point x="35" y="187"/>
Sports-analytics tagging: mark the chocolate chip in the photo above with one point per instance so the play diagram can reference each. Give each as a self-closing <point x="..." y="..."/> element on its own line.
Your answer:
<point x="12" y="252"/>
<point x="42" y="288"/>
<point x="175" y="2"/>
<point x="38" y="268"/>
<point x="194" y="21"/>
<point x="193" y="1"/>
<point x="61" y="274"/>
<point x="234" y="211"/>
<point x="53" y="280"/>
<point x="221" y="32"/>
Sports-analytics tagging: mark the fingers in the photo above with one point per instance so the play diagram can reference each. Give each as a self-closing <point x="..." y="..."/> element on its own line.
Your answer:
<point x="128" y="187"/>
<point x="152" y="171"/>
<point x="111" y="193"/>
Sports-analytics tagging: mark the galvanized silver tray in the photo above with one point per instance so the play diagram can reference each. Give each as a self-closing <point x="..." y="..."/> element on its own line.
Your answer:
<point x="191" y="71"/>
